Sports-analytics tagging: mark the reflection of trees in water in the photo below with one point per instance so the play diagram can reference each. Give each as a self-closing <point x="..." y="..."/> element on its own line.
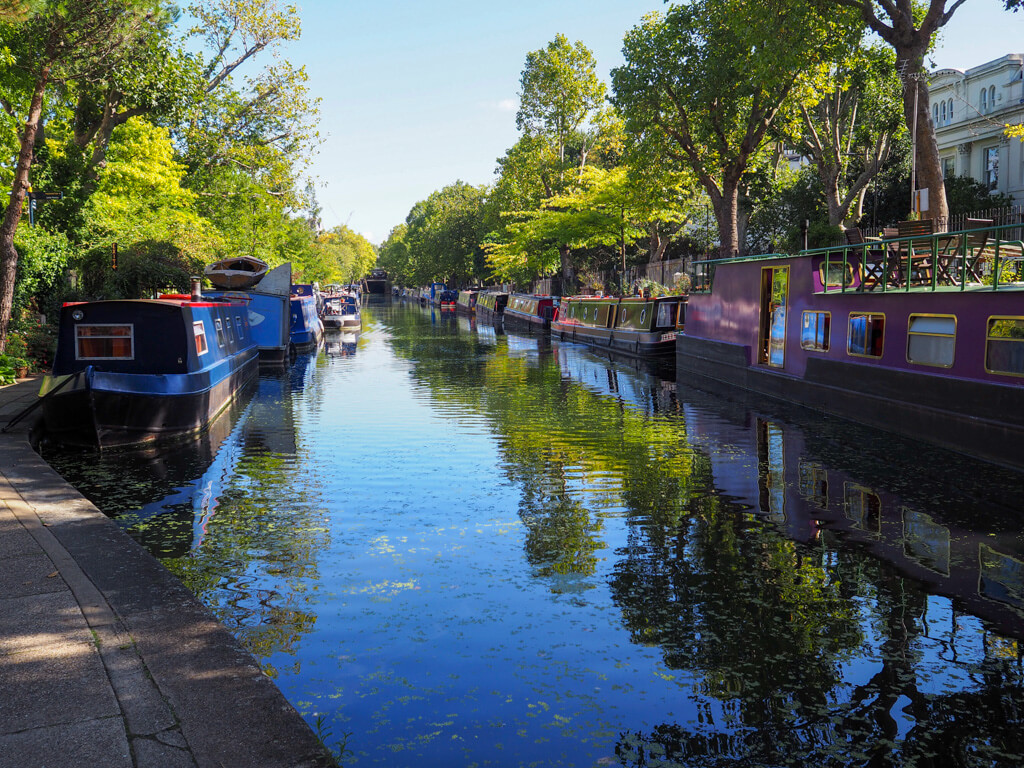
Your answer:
<point x="767" y="625"/>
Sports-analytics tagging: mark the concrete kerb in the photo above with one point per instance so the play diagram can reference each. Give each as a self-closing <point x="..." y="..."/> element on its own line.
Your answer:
<point x="185" y="691"/>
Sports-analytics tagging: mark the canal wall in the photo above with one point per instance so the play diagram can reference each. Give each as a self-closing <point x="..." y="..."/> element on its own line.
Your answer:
<point x="105" y="657"/>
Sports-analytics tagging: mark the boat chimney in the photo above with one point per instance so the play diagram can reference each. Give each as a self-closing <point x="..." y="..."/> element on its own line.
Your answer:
<point x="197" y="289"/>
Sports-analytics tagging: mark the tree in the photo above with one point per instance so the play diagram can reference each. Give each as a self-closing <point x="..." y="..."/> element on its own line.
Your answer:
<point x="63" y="44"/>
<point x="559" y="113"/>
<point x="848" y="135"/>
<point x="909" y="27"/>
<point x="444" y="233"/>
<point x="607" y="209"/>
<point x="704" y="84"/>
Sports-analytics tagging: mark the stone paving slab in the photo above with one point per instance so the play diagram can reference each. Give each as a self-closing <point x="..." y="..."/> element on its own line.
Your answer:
<point x="106" y="659"/>
<point x="88" y="744"/>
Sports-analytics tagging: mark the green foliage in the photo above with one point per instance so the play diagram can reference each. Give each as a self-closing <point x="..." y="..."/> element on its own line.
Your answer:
<point x="965" y="195"/>
<point x="43" y="258"/>
<point x="443" y="235"/>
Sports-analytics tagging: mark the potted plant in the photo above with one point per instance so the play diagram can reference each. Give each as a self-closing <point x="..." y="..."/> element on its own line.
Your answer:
<point x="20" y="366"/>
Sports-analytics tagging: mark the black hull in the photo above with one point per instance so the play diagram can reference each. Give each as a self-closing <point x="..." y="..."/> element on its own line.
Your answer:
<point x="274" y="357"/>
<point x="644" y="344"/>
<point x="520" y="322"/>
<point x="989" y="426"/>
<point x="98" y="418"/>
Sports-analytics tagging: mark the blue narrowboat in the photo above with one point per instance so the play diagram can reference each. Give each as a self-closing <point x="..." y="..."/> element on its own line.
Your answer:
<point x="268" y="305"/>
<point x="307" y="330"/>
<point x="130" y="372"/>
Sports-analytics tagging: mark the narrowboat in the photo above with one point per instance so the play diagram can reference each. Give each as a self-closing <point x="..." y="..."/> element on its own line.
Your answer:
<point x="341" y="311"/>
<point x="446" y="299"/>
<point x="525" y="311"/>
<point x="131" y="372"/>
<point x="307" y="331"/>
<point x="466" y="301"/>
<point x="310" y="289"/>
<point x="633" y="325"/>
<point x="490" y="305"/>
<point x="236" y="272"/>
<point x="923" y="335"/>
<point x="377" y="283"/>
<point x="268" y="312"/>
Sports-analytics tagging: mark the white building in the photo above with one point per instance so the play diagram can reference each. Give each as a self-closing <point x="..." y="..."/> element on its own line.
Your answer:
<point x="969" y="112"/>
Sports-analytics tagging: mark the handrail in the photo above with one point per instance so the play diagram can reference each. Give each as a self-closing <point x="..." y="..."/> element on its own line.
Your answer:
<point x="947" y="257"/>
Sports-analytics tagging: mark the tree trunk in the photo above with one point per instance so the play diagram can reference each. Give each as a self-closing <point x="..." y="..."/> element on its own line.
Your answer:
<point x="726" y="208"/>
<point x="568" y="276"/>
<point x="929" y="167"/>
<point x="13" y="212"/>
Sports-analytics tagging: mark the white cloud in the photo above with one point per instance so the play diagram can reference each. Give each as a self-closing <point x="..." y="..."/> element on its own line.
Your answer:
<point x="505" y="105"/>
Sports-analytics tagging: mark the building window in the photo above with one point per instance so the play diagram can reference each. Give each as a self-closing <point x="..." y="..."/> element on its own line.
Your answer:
<point x="951" y="110"/>
<point x="948" y="167"/>
<point x="1004" y="346"/>
<point x="104" y="342"/>
<point x="867" y="335"/>
<point x="943" y="115"/>
<point x="983" y="103"/>
<point x="814" y="331"/>
<point x="992" y="97"/>
<point x="992" y="168"/>
<point x="935" y="113"/>
<point x="931" y="340"/>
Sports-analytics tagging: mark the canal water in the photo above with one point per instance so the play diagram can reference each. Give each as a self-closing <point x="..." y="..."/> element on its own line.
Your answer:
<point x="455" y="546"/>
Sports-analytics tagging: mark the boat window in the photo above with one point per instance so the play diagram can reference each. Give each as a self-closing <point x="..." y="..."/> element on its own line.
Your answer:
<point x="200" y="333"/>
<point x="667" y="314"/>
<point x="231" y="335"/>
<point x="625" y="316"/>
<point x="931" y="340"/>
<point x="815" y="331"/>
<point x="643" y="315"/>
<point x="241" y="328"/>
<point x="105" y="341"/>
<point x="219" y="328"/>
<point x="867" y="334"/>
<point x="1004" y="346"/>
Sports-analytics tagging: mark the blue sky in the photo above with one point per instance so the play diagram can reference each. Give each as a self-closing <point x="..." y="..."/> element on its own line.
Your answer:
<point x="417" y="95"/>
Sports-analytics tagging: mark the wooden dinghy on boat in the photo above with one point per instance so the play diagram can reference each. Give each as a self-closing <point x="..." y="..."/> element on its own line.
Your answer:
<point x="236" y="273"/>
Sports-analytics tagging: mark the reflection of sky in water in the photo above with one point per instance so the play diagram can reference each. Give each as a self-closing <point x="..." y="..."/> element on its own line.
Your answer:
<point x="485" y="548"/>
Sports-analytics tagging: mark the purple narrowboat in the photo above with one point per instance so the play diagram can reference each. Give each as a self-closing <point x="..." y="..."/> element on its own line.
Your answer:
<point x="923" y="336"/>
<point x="529" y="312"/>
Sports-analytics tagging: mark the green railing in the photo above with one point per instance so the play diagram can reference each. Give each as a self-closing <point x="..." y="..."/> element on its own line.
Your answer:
<point x="989" y="257"/>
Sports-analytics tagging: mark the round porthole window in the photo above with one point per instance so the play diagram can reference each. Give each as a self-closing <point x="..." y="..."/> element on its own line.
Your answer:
<point x="643" y="314"/>
<point x="625" y="316"/>
<point x="77" y="314"/>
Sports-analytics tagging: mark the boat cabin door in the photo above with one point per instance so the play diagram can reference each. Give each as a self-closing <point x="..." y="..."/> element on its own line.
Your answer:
<point x="772" y="326"/>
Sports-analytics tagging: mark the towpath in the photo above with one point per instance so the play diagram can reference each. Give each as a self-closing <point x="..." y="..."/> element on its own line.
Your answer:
<point x="105" y="658"/>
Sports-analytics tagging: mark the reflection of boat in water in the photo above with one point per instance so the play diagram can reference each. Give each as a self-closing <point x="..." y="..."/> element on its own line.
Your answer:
<point x="950" y="530"/>
<point x="236" y="273"/>
<point x="642" y="387"/>
<point x="341" y="343"/>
